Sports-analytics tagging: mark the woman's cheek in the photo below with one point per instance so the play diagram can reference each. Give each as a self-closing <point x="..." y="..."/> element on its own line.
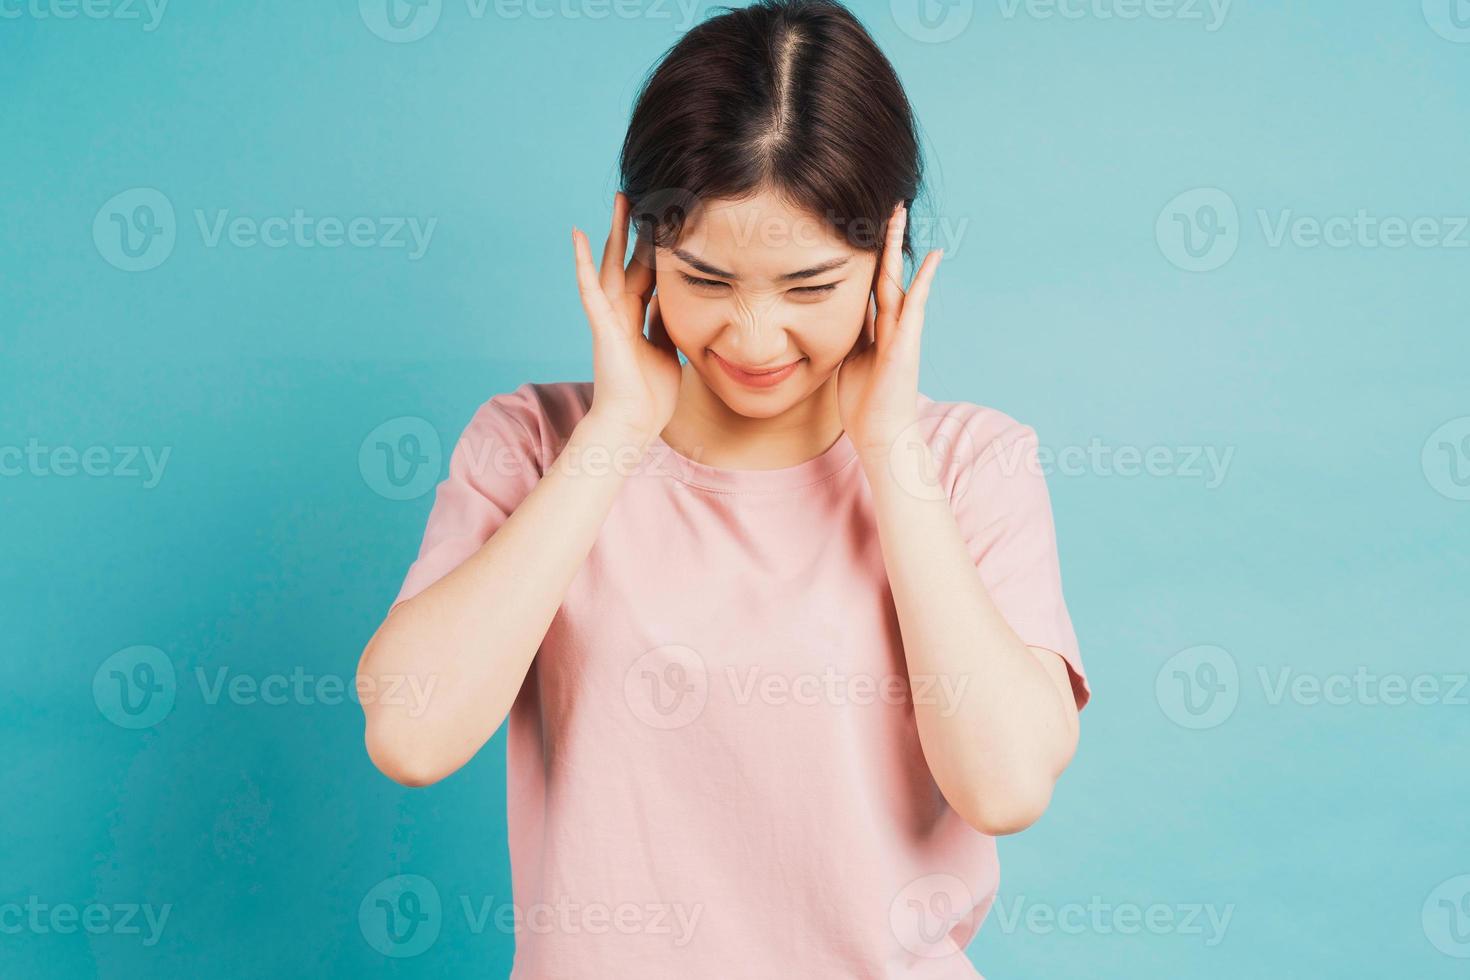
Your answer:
<point x="842" y="322"/>
<point x="692" y="323"/>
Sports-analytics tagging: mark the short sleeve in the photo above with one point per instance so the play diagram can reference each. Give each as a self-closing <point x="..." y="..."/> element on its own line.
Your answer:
<point x="1003" y="508"/>
<point x="494" y="466"/>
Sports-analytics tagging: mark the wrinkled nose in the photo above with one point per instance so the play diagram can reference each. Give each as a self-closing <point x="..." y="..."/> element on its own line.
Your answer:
<point x="757" y="329"/>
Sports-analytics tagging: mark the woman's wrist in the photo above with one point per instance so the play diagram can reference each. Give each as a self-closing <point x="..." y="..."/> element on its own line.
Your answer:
<point x="612" y="432"/>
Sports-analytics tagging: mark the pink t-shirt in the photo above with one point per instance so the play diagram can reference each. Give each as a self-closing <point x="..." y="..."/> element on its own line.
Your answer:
<point x="713" y="766"/>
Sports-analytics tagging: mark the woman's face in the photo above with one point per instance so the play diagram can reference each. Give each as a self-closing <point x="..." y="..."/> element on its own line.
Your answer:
<point x="757" y="286"/>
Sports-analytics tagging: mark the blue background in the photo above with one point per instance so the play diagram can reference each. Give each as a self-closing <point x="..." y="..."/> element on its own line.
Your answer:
<point x="1336" y="542"/>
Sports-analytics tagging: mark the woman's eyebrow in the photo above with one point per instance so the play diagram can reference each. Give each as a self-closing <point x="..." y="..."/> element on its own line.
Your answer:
<point x="711" y="270"/>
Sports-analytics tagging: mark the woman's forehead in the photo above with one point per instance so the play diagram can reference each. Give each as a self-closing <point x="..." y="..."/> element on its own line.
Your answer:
<point x="761" y="239"/>
<point x="763" y="221"/>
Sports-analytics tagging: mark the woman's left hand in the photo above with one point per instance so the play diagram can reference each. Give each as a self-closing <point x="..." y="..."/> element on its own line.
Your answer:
<point x="878" y="381"/>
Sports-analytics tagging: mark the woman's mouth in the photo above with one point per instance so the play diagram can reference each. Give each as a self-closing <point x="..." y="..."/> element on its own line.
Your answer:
<point x="758" y="379"/>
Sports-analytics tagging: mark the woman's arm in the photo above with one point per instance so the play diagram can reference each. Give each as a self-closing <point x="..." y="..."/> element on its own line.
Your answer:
<point x="469" y="638"/>
<point x="467" y="641"/>
<point x="997" y="719"/>
<point x="998" y="722"/>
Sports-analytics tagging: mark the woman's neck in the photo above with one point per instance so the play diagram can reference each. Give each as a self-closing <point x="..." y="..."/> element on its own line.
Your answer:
<point x="706" y="430"/>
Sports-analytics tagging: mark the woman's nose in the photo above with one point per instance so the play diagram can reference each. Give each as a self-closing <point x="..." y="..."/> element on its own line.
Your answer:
<point x="754" y="317"/>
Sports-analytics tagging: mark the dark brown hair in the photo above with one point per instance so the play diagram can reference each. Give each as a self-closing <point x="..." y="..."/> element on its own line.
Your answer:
<point x="788" y="96"/>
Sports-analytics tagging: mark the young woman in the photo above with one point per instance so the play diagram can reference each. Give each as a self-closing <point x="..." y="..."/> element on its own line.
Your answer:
<point x="780" y="640"/>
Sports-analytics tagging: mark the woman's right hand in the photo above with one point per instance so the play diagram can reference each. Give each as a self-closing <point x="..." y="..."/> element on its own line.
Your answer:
<point x="635" y="381"/>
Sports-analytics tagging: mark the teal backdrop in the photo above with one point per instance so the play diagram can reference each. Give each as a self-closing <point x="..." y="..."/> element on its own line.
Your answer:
<point x="259" y="263"/>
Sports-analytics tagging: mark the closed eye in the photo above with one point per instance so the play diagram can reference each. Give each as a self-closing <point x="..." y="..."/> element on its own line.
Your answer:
<point x="716" y="284"/>
<point x="702" y="283"/>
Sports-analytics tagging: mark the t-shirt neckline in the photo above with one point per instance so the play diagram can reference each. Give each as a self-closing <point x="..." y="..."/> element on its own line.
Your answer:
<point x="814" y="470"/>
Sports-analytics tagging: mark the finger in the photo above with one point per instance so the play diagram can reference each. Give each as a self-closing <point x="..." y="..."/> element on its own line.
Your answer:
<point x="912" y="322"/>
<point x="639" y="278"/>
<point x="600" y="314"/>
<point x="616" y="247"/>
<point x="870" y="318"/>
<point x="657" y="333"/>
<point x="889" y="287"/>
